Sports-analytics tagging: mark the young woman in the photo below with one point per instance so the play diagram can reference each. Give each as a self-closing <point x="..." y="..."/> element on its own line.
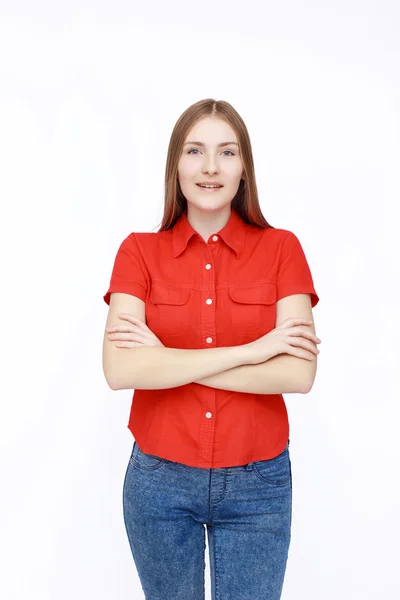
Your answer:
<point x="210" y="322"/>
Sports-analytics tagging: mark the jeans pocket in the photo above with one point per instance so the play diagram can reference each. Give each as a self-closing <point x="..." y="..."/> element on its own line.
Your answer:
<point x="146" y="462"/>
<point x="274" y="471"/>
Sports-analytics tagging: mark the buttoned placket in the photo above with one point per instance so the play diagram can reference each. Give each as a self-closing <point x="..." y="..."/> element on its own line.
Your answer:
<point x="208" y="329"/>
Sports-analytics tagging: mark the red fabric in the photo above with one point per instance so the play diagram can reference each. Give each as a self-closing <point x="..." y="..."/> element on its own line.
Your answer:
<point x="244" y="270"/>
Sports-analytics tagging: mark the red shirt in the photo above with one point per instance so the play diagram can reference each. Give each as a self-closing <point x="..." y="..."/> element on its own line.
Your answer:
<point x="207" y="295"/>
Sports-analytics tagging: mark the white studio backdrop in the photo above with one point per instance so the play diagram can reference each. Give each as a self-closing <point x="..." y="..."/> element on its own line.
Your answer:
<point x="89" y="94"/>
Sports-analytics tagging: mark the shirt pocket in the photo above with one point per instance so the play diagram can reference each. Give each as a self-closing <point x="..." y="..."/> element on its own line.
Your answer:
<point x="170" y="308"/>
<point x="252" y="309"/>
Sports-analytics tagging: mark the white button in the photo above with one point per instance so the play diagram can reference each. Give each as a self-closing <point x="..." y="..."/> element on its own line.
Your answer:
<point x="208" y="266"/>
<point x="208" y="301"/>
<point x="208" y="415"/>
<point x="215" y="237"/>
<point x="209" y="340"/>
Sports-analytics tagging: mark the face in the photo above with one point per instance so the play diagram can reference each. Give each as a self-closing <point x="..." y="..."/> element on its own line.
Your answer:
<point x="211" y="161"/>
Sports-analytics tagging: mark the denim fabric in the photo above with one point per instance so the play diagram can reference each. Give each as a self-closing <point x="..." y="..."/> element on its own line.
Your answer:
<point x="246" y="510"/>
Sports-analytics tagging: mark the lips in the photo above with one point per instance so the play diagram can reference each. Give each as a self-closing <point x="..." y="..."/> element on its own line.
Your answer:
<point x="209" y="185"/>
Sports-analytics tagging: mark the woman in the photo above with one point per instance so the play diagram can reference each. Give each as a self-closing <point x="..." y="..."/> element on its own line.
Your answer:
<point x="210" y="321"/>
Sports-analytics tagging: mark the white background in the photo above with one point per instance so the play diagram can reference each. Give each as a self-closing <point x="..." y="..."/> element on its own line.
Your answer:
<point x="89" y="94"/>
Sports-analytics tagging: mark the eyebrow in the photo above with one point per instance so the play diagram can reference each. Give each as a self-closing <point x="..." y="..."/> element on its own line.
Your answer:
<point x="220" y="145"/>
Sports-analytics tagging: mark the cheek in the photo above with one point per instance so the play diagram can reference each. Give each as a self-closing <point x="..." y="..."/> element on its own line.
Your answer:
<point x="187" y="169"/>
<point x="233" y="174"/>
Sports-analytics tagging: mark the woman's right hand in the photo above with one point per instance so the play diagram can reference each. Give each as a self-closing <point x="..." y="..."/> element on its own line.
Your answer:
<point x="293" y="336"/>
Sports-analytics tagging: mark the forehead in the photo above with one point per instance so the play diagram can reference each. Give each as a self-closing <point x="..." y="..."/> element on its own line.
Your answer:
<point x="212" y="131"/>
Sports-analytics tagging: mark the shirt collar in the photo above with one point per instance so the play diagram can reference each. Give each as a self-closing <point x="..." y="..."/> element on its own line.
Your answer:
<point x="233" y="234"/>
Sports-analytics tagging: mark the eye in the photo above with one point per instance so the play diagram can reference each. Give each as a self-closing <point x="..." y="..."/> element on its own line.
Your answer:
<point x="196" y="149"/>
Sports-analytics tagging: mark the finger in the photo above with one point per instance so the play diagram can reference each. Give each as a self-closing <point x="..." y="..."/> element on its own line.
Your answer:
<point x="302" y="342"/>
<point x="128" y="344"/>
<point x="311" y="347"/>
<point x="304" y="333"/>
<point x="122" y="327"/>
<point x="301" y="353"/>
<point x="311" y="335"/>
<point x="129" y="336"/>
<point x="132" y="319"/>
<point x="129" y="328"/>
<point x="294" y="321"/>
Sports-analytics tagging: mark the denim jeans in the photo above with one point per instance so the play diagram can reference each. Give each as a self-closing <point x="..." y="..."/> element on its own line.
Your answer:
<point x="247" y="511"/>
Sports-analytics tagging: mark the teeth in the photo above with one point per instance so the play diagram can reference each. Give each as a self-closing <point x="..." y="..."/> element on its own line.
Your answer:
<point x="210" y="186"/>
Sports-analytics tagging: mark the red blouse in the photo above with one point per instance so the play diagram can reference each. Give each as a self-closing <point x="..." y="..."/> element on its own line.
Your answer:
<point x="207" y="295"/>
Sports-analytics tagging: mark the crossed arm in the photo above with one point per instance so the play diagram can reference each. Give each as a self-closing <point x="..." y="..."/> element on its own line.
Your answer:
<point x="282" y="374"/>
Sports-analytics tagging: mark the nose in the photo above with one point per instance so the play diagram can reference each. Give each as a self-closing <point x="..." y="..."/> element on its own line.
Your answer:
<point x="210" y="165"/>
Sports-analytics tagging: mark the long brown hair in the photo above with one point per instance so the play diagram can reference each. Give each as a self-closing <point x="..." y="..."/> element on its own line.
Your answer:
<point x="245" y="201"/>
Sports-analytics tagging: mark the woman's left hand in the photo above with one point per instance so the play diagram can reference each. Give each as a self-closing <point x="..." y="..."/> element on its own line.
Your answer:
<point x="133" y="334"/>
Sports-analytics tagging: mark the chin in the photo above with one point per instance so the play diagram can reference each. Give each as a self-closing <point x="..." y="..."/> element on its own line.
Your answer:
<point x="208" y="205"/>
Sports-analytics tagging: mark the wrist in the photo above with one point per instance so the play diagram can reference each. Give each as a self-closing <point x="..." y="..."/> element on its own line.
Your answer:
<point x="244" y="354"/>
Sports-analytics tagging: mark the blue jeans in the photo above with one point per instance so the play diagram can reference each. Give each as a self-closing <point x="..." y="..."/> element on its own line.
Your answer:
<point x="247" y="511"/>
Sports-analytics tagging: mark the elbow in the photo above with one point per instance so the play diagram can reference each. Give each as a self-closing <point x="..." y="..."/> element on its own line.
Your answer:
<point x="109" y="375"/>
<point x="111" y="363"/>
<point x="110" y="382"/>
<point x="117" y="382"/>
<point x="308" y="378"/>
<point x="119" y="369"/>
<point x="306" y="388"/>
<point x="113" y="386"/>
<point x="110" y="368"/>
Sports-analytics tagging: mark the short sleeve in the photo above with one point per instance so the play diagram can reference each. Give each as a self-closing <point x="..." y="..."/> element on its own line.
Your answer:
<point x="294" y="275"/>
<point x="128" y="274"/>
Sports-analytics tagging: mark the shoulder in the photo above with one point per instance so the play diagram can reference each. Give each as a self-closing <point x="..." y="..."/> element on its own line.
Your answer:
<point x="136" y="236"/>
<point x="284" y="239"/>
<point x="278" y="233"/>
<point x="140" y="239"/>
<point x="146" y="237"/>
<point x="278" y="239"/>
